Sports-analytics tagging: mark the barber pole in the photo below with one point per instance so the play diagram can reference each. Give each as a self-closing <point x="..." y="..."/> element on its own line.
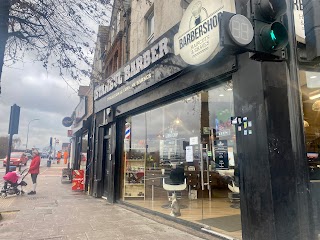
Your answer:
<point x="128" y="131"/>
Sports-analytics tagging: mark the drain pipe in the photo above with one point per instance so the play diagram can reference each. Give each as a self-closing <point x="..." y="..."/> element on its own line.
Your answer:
<point x="218" y="234"/>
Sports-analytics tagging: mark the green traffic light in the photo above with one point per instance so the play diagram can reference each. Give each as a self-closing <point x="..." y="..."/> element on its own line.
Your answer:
<point x="274" y="36"/>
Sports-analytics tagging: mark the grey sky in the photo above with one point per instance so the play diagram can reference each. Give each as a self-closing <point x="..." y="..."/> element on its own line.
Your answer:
<point x="40" y="95"/>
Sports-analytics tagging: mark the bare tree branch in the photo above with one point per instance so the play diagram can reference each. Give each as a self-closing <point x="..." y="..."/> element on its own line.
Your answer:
<point x="59" y="33"/>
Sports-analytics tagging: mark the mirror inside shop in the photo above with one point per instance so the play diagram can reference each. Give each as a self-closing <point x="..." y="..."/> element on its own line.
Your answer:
<point x="179" y="160"/>
<point x="310" y="90"/>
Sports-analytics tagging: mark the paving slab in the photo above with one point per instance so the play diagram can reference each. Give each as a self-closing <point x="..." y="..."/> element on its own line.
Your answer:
<point x="57" y="213"/>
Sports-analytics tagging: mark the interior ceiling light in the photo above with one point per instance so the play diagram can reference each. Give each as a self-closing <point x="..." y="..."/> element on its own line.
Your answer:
<point x="221" y="95"/>
<point x="314" y="96"/>
<point x="316" y="106"/>
<point x="305" y="123"/>
<point x="313" y="77"/>
<point x="177" y="121"/>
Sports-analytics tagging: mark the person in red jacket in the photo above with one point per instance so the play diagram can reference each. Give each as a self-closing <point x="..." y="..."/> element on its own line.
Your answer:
<point x="34" y="170"/>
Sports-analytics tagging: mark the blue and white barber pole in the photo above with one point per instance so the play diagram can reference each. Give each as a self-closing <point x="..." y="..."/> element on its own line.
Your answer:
<point x="128" y="131"/>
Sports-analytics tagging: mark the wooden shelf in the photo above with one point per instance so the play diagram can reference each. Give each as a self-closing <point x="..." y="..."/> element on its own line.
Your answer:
<point x="133" y="196"/>
<point x="134" y="184"/>
<point x="135" y="149"/>
<point x="137" y="169"/>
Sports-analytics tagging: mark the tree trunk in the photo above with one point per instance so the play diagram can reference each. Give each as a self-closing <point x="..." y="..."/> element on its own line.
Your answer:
<point x="4" y="19"/>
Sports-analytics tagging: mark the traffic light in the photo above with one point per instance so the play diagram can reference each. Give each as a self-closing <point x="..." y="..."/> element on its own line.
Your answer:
<point x="311" y="12"/>
<point x="270" y="35"/>
<point x="236" y="33"/>
<point x="14" y="119"/>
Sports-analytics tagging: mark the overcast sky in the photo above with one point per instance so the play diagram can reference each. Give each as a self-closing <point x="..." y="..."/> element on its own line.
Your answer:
<point x="40" y="94"/>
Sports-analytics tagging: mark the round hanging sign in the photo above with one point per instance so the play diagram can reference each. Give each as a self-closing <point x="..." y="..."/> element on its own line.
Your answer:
<point x="67" y="121"/>
<point x="197" y="41"/>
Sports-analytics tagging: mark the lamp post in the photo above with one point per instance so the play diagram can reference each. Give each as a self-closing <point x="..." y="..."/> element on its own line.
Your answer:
<point x="28" y="130"/>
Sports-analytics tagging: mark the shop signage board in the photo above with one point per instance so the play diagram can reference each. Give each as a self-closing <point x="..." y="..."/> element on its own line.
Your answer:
<point x="299" y="20"/>
<point x="78" y="180"/>
<point x="67" y="121"/>
<point x="70" y="133"/>
<point x="221" y="154"/>
<point x="134" y="68"/>
<point x="198" y="40"/>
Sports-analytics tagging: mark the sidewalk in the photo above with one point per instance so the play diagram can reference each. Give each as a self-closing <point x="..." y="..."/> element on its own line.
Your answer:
<point x="56" y="212"/>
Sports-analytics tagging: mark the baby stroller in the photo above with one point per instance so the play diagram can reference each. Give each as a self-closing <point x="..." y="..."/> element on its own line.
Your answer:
<point x="12" y="182"/>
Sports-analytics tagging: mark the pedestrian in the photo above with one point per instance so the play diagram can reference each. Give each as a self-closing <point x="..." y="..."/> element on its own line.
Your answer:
<point x="65" y="157"/>
<point x="34" y="170"/>
<point x="58" y="157"/>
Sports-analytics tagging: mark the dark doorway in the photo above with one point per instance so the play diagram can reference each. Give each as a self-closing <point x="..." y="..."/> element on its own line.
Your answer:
<point x="106" y="163"/>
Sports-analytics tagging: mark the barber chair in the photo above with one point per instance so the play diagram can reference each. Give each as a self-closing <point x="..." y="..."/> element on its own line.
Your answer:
<point x="175" y="184"/>
<point x="234" y="195"/>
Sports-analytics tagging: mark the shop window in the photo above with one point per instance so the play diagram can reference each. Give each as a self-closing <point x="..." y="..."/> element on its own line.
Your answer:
<point x="185" y="150"/>
<point x="150" y="27"/>
<point x="310" y="89"/>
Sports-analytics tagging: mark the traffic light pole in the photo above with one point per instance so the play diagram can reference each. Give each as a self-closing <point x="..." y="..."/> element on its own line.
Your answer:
<point x="297" y="129"/>
<point x="13" y="129"/>
<point x="9" y="153"/>
<point x="273" y="186"/>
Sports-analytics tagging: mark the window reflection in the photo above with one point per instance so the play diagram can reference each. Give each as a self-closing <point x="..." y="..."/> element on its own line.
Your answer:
<point x="169" y="129"/>
<point x="310" y="89"/>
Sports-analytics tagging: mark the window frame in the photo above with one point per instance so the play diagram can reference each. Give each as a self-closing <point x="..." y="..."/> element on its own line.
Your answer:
<point x="150" y="30"/>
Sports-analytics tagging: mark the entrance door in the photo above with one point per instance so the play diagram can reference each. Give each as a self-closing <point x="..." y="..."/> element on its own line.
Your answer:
<point x="106" y="165"/>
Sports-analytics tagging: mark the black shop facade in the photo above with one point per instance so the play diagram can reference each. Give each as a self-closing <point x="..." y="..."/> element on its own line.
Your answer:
<point x="182" y="117"/>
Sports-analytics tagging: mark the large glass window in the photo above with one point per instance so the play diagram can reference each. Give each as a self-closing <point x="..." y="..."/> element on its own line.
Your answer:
<point x="185" y="151"/>
<point x="310" y="88"/>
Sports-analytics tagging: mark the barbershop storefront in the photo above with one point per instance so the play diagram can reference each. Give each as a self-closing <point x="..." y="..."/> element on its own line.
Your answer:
<point x="182" y="141"/>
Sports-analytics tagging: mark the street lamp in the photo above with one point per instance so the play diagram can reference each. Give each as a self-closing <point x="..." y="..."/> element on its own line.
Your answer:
<point x="28" y="131"/>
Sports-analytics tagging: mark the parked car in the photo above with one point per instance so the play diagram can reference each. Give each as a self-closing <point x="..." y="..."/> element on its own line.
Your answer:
<point x="16" y="159"/>
<point x="44" y="155"/>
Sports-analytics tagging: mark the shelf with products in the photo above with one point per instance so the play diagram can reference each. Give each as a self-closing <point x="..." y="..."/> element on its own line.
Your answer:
<point x="134" y="175"/>
<point x="135" y="184"/>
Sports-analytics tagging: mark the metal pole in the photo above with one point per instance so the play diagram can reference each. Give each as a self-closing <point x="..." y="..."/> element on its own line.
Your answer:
<point x="9" y="153"/>
<point x="28" y="131"/>
<point x="27" y="136"/>
<point x="54" y="151"/>
<point x="297" y="129"/>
